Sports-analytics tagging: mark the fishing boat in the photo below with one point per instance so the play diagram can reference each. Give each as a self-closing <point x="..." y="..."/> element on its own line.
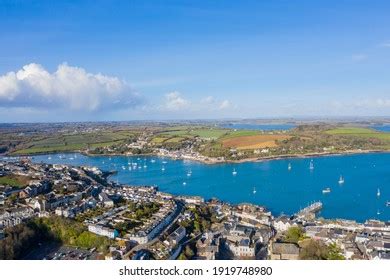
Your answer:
<point x="311" y="165"/>
<point x="254" y="190"/>
<point x="234" y="172"/>
<point x="289" y="167"/>
<point x="341" y="180"/>
<point x="378" y="193"/>
<point x="326" y="190"/>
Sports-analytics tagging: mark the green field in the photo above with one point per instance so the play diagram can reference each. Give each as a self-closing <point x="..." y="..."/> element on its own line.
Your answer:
<point x="74" y="142"/>
<point x="13" y="181"/>
<point x="362" y="133"/>
<point x="200" y="132"/>
<point x="359" y="132"/>
<point x="239" y="133"/>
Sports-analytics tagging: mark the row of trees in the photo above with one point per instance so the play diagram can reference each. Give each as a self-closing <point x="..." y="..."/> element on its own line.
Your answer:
<point x="22" y="238"/>
<point x="312" y="249"/>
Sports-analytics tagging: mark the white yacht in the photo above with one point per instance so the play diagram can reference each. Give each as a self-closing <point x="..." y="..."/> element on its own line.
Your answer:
<point x="326" y="190"/>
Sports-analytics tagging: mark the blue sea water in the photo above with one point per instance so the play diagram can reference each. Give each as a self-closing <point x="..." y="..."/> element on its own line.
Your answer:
<point x="266" y="127"/>
<point x="277" y="188"/>
<point x="384" y="128"/>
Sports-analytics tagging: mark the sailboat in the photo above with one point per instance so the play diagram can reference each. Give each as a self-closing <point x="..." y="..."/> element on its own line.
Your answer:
<point x="289" y="167"/>
<point x="234" y="172"/>
<point x="254" y="190"/>
<point x="341" y="180"/>
<point x="311" y="165"/>
<point x="378" y="193"/>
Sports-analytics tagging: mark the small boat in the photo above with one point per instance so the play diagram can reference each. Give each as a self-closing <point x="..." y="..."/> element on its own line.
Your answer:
<point x="289" y="167"/>
<point x="311" y="165"/>
<point x="164" y="162"/>
<point x="377" y="212"/>
<point x="326" y="190"/>
<point x="387" y="203"/>
<point x="341" y="180"/>
<point x="163" y="168"/>
<point x="254" y="190"/>
<point x="184" y="183"/>
<point x="153" y="161"/>
<point x="49" y="158"/>
<point x="129" y="168"/>
<point x="145" y="166"/>
<point x="234" y="172"/>
<point x="378" y="193"/>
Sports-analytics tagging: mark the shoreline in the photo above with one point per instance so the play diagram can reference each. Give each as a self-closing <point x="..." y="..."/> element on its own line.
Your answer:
<point x="214" y="161"/>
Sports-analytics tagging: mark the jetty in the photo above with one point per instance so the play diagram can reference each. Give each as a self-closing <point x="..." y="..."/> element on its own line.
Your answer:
<point x="310" y="210"/>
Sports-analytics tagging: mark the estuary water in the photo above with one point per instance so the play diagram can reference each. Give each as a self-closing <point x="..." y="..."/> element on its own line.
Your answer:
<point x="362" y="196"/>
<point x="265" y="127"/>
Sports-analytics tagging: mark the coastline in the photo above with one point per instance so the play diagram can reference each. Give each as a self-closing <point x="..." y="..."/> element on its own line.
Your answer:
<point x="211" y="161"/>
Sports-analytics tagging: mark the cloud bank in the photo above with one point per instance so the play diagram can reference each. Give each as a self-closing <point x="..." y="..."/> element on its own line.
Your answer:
<point x="71" y="88"/>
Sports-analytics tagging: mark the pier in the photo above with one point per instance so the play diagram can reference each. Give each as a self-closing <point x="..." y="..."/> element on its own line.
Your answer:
<point x="310" y="210"/>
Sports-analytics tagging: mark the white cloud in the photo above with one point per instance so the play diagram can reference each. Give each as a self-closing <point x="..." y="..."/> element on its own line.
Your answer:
<point x="385" y="44"/>
<point x="373" y="103"/>
<point x="68" y="87"/>
<point x="225" y="105"/>
<point x="174" y="101"/>
<point x="207" y="100"/>
<point x="359" y="57"/>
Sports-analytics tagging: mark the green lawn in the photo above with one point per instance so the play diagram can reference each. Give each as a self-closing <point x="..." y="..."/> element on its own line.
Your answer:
<point x="359" y="132"/>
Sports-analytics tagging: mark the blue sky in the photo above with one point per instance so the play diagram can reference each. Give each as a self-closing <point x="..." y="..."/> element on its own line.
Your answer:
<point x="125" y="60"/>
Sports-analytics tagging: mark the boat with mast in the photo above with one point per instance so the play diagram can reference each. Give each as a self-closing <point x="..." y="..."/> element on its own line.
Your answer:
<point x="311" y="165"/>
<point x="378" y="192"/>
